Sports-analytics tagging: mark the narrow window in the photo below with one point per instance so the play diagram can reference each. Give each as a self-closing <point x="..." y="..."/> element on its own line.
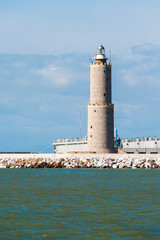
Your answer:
<point x="104" y="71"/>
<point x="104" y="94"/>
<point x="90" y="126"/>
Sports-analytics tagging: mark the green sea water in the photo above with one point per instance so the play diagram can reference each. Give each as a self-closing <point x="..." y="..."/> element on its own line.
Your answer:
<point x="79" y="204"/>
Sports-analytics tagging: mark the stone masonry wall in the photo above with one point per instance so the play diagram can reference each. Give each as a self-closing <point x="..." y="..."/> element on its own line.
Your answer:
<point x="100" y="128"/>
<point x="100" y="83"/>
<point x="100" y="110"/>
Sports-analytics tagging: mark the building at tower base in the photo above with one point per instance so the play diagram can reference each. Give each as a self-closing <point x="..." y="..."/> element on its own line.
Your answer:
<point x="100" y="109"/>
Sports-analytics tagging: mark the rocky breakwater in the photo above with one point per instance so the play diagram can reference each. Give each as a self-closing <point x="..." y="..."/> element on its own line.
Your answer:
<point x="80" y="162"/>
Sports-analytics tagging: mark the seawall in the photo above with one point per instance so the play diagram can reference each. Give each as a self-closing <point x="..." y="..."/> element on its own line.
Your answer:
<point x="133" y="161"/>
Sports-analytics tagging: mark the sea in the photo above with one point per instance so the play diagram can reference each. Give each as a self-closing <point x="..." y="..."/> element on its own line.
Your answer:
<point x="120" y="204"/>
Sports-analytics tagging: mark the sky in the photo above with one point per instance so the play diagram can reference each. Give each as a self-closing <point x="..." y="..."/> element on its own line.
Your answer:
<point x="45" y="52"/>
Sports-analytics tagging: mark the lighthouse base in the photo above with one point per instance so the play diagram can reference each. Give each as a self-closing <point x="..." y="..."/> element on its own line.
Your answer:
<point x="101" y="128"/>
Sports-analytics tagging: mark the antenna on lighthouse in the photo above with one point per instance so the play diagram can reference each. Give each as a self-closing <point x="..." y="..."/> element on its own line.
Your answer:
<point x="109" y="55"/>
<point x="80" y="115"/>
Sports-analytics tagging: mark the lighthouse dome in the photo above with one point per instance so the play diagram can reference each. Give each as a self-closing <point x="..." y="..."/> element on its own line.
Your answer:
<point x="100" y="53"/>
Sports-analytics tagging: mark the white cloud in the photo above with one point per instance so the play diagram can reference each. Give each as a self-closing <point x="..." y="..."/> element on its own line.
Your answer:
<point x="54" y="75"/>
<point x="44" y="107"/>
<point x="142" y="67"/>
<point x="134" y="77"/>
<point x="47" y="71"/>
<point x="6" y="101"/>
<point x="127" y="109"/>
<point x="146" y="49"/>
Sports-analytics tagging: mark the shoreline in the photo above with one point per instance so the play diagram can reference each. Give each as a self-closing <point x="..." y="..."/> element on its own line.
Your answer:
<point x="115" y="161"/>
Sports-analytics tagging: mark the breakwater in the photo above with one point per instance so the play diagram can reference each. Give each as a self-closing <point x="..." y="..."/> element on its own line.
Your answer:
<point x="79" y="161"/>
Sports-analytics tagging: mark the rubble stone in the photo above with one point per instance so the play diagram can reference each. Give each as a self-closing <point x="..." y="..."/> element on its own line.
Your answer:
<point x="80" y="162"/>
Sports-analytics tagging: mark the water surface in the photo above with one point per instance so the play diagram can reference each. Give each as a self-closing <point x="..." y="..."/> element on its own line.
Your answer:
<point x="79" y="204"/>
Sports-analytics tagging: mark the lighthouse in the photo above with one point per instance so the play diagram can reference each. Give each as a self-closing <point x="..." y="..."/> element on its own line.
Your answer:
<point x="101" y="109"/>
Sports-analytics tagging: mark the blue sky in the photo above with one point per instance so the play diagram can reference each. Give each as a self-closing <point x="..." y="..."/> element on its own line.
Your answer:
<point x="44" y="68"/>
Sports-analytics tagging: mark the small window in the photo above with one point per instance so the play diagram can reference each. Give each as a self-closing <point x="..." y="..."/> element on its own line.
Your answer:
<point x="104" y="71"/>
<point x="94" y="110"/>
<point x="104" y="94"/>
<point x="90" y="135"/>
<point x="90" y="126"/>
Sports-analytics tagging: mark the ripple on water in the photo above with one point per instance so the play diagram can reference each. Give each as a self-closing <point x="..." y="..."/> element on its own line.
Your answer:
<point x="79" y="204"/>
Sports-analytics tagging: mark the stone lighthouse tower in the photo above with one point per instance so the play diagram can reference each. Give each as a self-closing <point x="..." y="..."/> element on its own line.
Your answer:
<point x="100" y="109"/>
